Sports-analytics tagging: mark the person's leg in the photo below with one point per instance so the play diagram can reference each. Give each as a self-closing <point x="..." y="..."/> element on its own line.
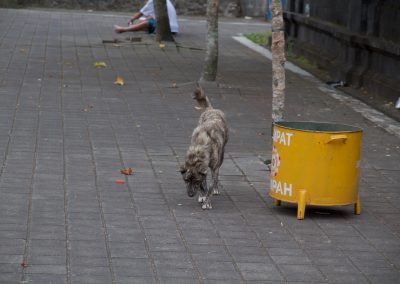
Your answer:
<point x="141" y="26"/>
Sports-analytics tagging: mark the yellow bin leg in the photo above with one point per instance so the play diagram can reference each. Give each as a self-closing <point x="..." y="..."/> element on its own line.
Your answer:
<point x="357" y="206"/>
<point x="301" y="204"/>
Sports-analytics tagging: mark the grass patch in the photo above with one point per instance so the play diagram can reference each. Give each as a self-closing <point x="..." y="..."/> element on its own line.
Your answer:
<point x="262" y="39"/>
<point x="259" y="38"/>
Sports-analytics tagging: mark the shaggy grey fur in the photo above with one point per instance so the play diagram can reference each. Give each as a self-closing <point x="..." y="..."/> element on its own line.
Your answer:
<point x="205" y="151"/>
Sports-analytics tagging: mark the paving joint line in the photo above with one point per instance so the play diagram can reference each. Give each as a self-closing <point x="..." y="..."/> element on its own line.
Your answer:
<point x="98" y="195"/>
<point x="66" y="212"/>
<point x="30" y="198"/>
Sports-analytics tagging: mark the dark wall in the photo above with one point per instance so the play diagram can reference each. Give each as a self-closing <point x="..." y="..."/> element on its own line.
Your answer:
<point x="358" y="41"/>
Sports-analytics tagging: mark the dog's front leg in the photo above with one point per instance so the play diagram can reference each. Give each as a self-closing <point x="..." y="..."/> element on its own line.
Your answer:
<point x="203" y="192"/>
<point x="215" y="182"/>
<point x="206" y="201"/>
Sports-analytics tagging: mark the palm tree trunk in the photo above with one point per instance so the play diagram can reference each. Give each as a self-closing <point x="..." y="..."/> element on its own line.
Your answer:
<point x="211" y="61"/>
<point x="278" y="61"/>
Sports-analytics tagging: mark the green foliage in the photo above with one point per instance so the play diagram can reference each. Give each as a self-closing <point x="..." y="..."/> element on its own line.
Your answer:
<point x="259" y="38"/>
<point x="262" y="39"/>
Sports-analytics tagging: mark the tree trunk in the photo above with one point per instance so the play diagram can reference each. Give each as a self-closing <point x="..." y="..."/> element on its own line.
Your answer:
<point x="163" y="30"/>
<point x="278" y="61"/>
<point x="211" y="61"/>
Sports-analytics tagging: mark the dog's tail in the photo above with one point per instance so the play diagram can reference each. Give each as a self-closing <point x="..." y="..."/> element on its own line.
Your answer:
<point x="201" y="98"/>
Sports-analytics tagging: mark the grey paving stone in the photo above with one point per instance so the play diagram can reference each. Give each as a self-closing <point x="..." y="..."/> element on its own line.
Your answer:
<point x="342" y="274"/>
<point x="147" y="124"/>
<point x="12" y="247"/>
<point x="10" y="268"/>
<point x="209" y="253"/>
<point x="91" y="279"/>
<point x="38" y="259"/>
<point x="285" y="259"/>
<point x="47" y="269"/>
<point x="259" y="271"/>
<point x="48" y="247"/>
<point x="11" y="258"/>
<point x="128" y="267"/>
<point x="301" y="273"/>
<point x="218" y="270"/>
<point x="45" y="232"/>
<point x="90" y="270"/>
<point x="128" y="250"/>
<point x="9" y="277"/>
<point x="91" y="248"/>
<point x="179" y="280"/>
<point x="177" y="273"/>
<point x="136" y="280"/>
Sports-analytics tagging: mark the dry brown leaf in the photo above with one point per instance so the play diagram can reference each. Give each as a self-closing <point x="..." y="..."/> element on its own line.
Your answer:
<point x="127" y="171"/>
<point x="119" y="81"/>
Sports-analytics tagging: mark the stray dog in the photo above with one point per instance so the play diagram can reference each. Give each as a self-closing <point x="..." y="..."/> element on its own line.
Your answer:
<point x="205" y="151"/>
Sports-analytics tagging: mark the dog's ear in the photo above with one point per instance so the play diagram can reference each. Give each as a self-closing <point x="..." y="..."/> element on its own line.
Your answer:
<point x="182" y="169"/>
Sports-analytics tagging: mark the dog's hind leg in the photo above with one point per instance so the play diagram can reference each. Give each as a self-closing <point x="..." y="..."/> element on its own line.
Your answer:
<point x="216" y="185"/>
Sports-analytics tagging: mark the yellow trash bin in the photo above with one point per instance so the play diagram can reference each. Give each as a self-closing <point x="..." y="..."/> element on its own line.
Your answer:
<point x="315" y="163"/>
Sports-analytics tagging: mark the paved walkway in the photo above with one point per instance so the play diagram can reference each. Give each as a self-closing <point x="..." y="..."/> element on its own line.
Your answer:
<point x="66" y="130"/>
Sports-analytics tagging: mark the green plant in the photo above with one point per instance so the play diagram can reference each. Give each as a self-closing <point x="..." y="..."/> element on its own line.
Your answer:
<point x="259" y="38"/>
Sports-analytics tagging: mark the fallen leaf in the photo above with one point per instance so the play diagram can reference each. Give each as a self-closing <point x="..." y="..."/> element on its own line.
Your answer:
<point x="119" y="181"/>
<point x="174" y="85"/>
<point x="127" y="171"/>
<point x="162" y="45"/>
<point x="24" y="264"/>
<point x="100" y="64"/>
<point x="119" y="81"/>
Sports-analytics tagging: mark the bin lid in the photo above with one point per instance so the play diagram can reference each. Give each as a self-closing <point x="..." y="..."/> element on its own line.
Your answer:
<point x="317" y="126"/>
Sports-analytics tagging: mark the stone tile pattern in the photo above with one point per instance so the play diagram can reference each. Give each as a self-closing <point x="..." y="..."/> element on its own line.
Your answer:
<point x="66" y="130"/>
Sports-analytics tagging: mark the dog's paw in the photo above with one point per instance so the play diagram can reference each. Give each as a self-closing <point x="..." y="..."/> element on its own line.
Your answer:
<point x="206" y="205"/>
<point x="216" y="191"/>
<point x="201" y="199"/>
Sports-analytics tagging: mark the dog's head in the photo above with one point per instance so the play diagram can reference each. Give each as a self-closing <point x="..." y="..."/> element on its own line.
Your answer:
<point x="194" y="179"/>
<point x="194" y="171"/>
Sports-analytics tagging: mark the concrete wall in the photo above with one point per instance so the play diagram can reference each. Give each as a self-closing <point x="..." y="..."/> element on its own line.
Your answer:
<point x="357" y="40"/>
<point x="232" y="8"/>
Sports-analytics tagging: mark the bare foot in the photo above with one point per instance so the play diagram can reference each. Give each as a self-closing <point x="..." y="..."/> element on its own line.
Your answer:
<point x="118" y="29"/>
